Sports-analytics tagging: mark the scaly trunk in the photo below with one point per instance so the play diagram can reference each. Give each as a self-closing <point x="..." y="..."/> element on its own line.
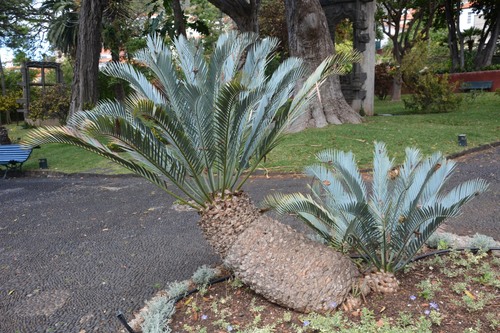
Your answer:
<point x="274" y="260"/>
<point x="224" y="220"/>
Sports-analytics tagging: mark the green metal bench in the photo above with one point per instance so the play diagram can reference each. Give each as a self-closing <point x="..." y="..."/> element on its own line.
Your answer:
<point x="476" y="85"/>
<point x="13" y="156"/>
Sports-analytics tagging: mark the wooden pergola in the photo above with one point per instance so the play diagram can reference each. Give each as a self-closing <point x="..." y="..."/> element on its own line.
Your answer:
<point x="26" y="84"/>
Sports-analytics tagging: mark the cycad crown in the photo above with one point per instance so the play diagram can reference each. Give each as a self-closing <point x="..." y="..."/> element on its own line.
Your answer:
<point x="197" y="124"/>
<point x="391" y="223"/>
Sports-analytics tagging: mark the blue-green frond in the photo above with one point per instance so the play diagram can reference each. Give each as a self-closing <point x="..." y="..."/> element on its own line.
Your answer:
<point x="253" y="72"/>
<point x="345" y="165"/>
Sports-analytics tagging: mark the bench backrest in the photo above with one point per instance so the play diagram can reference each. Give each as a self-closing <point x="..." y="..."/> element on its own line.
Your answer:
<point x="13" y="152"/>
<point x="477" y="84"/>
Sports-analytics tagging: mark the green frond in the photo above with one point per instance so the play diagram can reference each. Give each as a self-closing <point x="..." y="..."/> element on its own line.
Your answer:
<point x="68" y="135"/>
<point x="310" y="212"/>
<point x="199" y="122"/>
<point x="406" y="206"/>
<point x="345" y="165"/>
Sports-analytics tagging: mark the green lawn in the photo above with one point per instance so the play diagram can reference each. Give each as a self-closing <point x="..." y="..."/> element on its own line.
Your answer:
<point x="479" y="119"/>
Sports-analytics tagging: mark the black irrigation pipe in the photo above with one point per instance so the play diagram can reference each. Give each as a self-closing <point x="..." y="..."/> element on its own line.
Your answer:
<point x="176" y="299"/>
<point x="440" y="252"/>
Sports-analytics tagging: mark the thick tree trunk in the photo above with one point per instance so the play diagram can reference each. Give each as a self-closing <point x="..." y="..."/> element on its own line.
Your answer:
<point x="84" y="87"/>
<point x="452" y="35"/>
<point x="397" y="84"/>
<point x="243" y="12"/>
<point x="274" y="260"/>
<point x="179" y="26"/>
<point x="485" y="55"/>
<point x="309" y="39"/>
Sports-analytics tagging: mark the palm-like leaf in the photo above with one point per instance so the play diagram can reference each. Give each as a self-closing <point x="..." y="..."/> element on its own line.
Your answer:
<point x="198" y="124"/>
<point x="388" y="227"/>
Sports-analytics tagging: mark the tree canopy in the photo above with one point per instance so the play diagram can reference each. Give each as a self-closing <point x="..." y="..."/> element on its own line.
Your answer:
<point x="15" y="17"/>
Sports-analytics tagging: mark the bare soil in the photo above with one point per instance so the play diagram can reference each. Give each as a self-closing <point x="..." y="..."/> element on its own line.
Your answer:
<point x="461" y="283"/>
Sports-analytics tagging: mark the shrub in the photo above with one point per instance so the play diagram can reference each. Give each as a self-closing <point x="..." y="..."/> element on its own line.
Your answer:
<point x="433" y="94"/>
<point x="389" y="225"/>
<point x="53" y="104"/>
<point x="158" y="313"/>
<point x="9" y="105"/>
<point x="204" y="275"/>
<point x="482" y="242"/>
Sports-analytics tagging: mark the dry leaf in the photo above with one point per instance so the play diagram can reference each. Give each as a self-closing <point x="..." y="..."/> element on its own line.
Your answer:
<point x="326" y="183"/>
<point x="468" y="293"/>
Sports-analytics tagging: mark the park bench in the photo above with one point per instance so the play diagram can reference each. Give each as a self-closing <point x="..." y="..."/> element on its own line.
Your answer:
<point x="13" y="156"/>
<point x="476" y="85"/>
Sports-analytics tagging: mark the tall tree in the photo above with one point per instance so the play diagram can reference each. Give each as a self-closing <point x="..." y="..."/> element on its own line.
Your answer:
<point x="490" y="11"/>
<point x="452" y="10"/>
<point x="84" y="91"/>
<point x="63" y="26"/>
<point x="309" y="38"/>
<point x="405" y="22"/>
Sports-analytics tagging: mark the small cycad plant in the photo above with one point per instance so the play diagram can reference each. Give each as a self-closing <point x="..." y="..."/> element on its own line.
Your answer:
<point x="388" y="224"/>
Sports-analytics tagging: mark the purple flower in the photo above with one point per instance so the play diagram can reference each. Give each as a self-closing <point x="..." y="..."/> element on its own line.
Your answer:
<point x="306" y="322"/>
<point x="413" y="297"/>
<point x="229" y="328"/>
<point x="427" y="312"/>
<point x="434" y="305"/>
<point x="204" y="317"/>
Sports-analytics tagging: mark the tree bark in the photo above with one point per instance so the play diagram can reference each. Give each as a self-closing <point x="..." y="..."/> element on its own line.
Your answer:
<point x="179" y="26"/>
<point x="452" y="35"/>
<point x="84" y="86"/>
<point x="397" y="84"/>
<point x="244" y="13"/>
<point x="485" y="55"/>
<point x="309" y="38"/>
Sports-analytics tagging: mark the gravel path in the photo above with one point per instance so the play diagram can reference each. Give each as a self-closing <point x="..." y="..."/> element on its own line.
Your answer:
<point x="74" y="250"/>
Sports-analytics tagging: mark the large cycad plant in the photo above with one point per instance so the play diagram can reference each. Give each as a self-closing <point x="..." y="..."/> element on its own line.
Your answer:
<point x="388" y="224"/>
<point x="200" y="125"/>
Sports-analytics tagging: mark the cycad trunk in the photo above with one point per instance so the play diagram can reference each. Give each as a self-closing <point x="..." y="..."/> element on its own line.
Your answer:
<point x="274" y="260"/>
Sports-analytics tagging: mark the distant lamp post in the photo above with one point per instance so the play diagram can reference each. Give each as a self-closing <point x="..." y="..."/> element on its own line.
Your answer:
<point x="462" y="140"/>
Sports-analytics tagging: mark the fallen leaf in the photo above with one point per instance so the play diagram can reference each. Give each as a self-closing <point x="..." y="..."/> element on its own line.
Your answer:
<point x="468" y="293"/>
<point x="11" y="292"/>
<point x="326" y="183"/>
<point x="382" y="310"/>
<point x="380" y="323"/>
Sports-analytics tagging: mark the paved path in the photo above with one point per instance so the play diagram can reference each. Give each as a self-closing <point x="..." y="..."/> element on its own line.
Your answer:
<point x="74" y="250"/>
